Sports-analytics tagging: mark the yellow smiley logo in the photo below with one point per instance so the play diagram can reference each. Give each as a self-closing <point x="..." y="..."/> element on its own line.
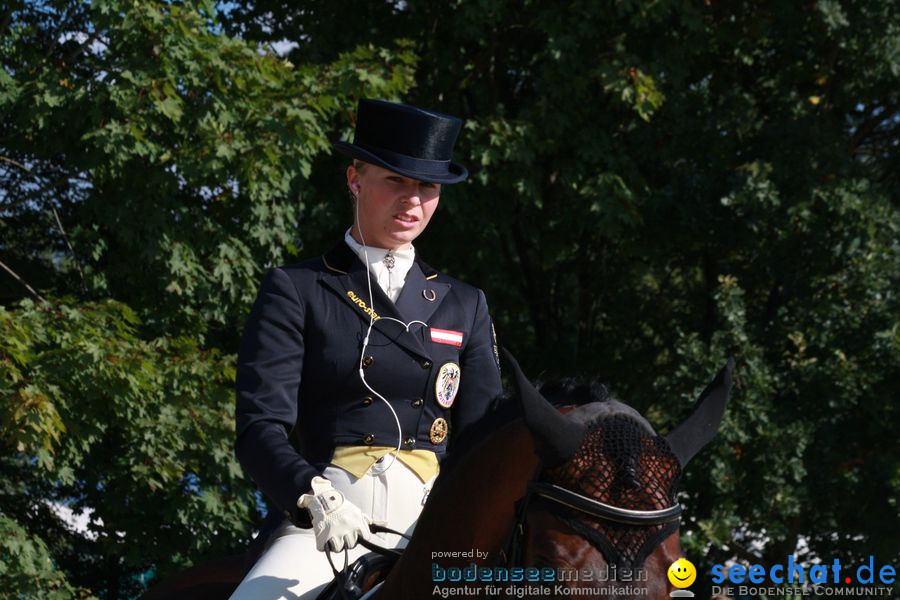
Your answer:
<point x="682" y="573"/>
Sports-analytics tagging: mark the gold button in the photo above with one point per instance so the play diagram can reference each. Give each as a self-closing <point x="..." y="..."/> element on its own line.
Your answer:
<point x="417" y="402"/>
<point x="426" y="364"/>
<point x="367" y="362"/>
<point x="368" y="439"/>
<point x="367" y="401"/>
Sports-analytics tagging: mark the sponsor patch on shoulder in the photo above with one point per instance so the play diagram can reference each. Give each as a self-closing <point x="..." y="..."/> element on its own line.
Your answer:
<point x="447" y="336"/>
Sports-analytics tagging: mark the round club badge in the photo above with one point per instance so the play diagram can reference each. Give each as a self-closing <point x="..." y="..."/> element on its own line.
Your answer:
<point x="439" y="430"/>
<point x="447" y="384"/>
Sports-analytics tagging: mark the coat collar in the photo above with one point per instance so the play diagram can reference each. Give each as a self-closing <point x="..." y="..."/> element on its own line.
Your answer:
<point x="341" y="258"/>
<point x="420" y="297"/>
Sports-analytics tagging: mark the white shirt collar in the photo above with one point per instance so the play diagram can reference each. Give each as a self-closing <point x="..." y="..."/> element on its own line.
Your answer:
<point x="390" y="280"/>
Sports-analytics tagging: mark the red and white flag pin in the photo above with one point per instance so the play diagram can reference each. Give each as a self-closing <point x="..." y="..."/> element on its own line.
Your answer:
<point x="447" y="336"/>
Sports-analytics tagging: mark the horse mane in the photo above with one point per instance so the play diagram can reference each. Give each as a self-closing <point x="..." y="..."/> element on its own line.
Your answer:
<point x="573" y="391"/>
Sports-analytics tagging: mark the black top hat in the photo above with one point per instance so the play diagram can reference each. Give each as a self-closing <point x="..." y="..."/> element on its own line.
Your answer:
<point x="408" y="140"/>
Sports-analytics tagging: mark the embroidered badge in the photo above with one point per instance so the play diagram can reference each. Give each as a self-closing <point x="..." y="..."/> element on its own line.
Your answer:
<point x="447" y="336"/>
<point x="446" y="384"/>
<point x="438" y="430"/>
<point x="362" y="304"/>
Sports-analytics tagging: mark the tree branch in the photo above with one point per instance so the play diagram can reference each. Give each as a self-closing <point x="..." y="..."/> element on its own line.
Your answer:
<point x="16" y="163"/>
<point x="744" y="553"/>
<point x="23" y="282"/>
<point x="59" y="33"/>
<point x="59" y="224"/>
<point x="69" y="244"/>
<point x="5" y="21"/>
<point x="80" y="48"/>
<point x="28" y="196"/>
<point x="868" y="126"/>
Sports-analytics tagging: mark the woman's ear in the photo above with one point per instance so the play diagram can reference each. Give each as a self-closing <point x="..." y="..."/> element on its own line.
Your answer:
<point x="353" y="180"/>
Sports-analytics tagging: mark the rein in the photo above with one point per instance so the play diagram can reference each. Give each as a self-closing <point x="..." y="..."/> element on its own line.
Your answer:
<point x="348" y="581"/>
<point x="387" y="552"/>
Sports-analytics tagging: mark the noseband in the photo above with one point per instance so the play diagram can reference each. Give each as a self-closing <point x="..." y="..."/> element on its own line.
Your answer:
<point x="601" y="510"/>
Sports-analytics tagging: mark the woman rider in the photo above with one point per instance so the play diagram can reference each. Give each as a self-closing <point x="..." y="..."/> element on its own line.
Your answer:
<point x="357" y="368"/>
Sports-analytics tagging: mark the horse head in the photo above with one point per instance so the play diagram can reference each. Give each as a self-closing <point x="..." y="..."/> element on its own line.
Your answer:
<point x="602" y="507"/>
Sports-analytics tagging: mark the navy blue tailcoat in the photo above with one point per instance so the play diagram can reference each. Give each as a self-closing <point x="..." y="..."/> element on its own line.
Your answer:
<point x="299" y="392"/>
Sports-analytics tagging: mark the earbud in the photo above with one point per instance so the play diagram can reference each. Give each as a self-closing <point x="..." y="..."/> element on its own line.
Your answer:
<point x="355" y="187"/>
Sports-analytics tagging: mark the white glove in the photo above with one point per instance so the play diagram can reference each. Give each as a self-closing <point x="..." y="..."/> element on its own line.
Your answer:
<point x="336" y="521"/>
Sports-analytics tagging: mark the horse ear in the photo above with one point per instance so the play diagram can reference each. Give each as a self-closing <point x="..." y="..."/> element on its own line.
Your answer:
<point x="698" y="429"/>
<point x="556" y="438"/>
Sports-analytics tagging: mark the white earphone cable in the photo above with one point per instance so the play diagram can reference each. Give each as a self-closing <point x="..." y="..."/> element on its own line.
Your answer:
<point x="362" y="376"/>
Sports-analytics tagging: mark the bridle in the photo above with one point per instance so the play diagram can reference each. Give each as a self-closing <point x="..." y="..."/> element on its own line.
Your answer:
<point x="601" y="510"/>
<point x="667" y="517"/>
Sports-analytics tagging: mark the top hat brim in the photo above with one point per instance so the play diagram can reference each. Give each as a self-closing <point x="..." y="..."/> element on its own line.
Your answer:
<point x="407" y="166"/>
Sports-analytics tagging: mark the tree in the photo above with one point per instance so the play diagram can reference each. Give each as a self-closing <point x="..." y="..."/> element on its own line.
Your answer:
<point x="655" y="186"/>
<point x="152" y="167"/>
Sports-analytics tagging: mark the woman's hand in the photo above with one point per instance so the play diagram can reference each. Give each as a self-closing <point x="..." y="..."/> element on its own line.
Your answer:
<point x="336" y="521"/>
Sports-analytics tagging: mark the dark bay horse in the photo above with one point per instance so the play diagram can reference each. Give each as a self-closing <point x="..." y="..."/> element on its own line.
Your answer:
<point x="586" y="493"/>
<point x="595" y="491"/>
